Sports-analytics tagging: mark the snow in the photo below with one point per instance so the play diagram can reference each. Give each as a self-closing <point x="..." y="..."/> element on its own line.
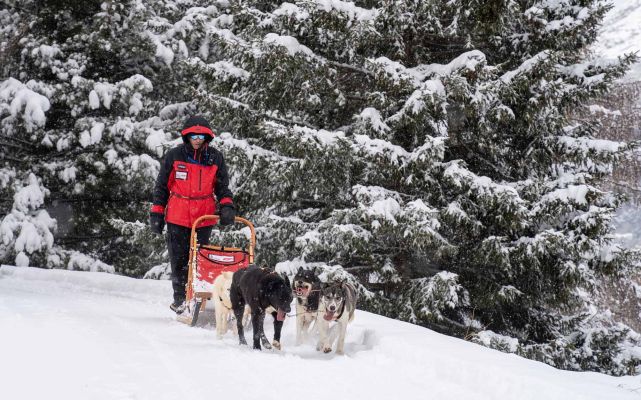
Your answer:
<point x="94" y="100"/>
<point x="291" y="10"/>
<point x="416" y="103"/>
<point x="45" y="51"/>
<point x="395" y="70"/>
<point x="487" y="337"/>
<point x="226" y="70"/>
<point x="290" y="43"/>
<point x="155" y="141"/>
<point x="96" y="132"/>
<point x="164" y="53"/>
<point x="621" y="34"/>
<point x="596" y="109"/>
<point x="375" y="147"/>
<point x="373" y="116"/>
<point x="93" y="136"/>
<point x="35" y="235"/>
<point x="22" y="260"/>
<point x="467" y="61"/>
<point x="30" y="226"/>
<point x="88" y="335"/>
<point x="386" y="209"/>
<point x="23" y="102"/>
<point x="82" y="262"/>
<point x="526" y="66"/>
<point x="573" y="193"/>
<point x="627" y="223"/>
<point x="31" y="196"/>
<point x="103" y="92"/>
<point x="348" y="8"/>
<point x="135" y="104"/>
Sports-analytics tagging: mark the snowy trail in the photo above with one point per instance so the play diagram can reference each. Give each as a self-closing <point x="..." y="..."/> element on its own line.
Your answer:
<point x="80" y="335"/>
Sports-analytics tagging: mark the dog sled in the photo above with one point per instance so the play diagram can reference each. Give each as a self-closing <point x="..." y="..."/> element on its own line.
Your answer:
<point x="206" y="262"/>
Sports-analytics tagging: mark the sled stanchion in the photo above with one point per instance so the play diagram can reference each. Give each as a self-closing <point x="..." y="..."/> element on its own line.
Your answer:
<point x="196" y="312"/>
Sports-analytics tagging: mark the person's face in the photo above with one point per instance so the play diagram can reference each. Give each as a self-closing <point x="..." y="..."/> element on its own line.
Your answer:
<point x="196" y="141"/>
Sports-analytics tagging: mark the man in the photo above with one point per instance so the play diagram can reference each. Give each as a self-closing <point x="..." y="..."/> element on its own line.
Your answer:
<point x="190" y="175"/>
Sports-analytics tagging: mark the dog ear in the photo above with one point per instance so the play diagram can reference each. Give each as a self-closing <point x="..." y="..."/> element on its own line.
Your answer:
<point x="286" y="278"/>
<point x="300" y="269"/>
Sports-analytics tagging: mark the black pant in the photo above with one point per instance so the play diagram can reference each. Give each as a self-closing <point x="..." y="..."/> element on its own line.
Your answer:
<point x="178" y="246"/>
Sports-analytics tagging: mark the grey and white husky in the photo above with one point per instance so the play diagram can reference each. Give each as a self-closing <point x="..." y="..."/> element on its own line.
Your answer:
<point x="337" y="303"/>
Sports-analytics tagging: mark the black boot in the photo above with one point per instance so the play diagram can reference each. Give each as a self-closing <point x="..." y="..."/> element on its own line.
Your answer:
<point x="178" y="306"/>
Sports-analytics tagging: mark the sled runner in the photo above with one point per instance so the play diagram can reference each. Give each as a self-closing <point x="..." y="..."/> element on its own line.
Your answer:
<point x="206" y="262"/>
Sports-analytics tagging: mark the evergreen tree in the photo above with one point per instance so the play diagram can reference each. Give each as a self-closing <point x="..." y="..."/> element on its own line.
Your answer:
<point x="423" y="149"/>
<point x="81" y="128"/>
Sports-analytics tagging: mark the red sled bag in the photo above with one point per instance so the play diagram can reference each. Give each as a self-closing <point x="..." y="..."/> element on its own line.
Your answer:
<point x="211" y="261"/>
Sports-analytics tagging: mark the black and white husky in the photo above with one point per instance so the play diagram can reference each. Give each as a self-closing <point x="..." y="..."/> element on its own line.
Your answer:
<point x="337" y="303"/>
<point x="263" y="290"/>
<point x="306" y="287"/>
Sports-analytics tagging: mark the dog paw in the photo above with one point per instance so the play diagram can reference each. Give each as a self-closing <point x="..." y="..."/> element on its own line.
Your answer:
<point x="276" y="344"/>
<point x="327" y="350"/>
<point x="265" y="342"/>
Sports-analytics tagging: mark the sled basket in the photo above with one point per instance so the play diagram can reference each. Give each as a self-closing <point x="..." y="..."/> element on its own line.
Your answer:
<point x="211" y="261"/>
<point x="206" y="262"/>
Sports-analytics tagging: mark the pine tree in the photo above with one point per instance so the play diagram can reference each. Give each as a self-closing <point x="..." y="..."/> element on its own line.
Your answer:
<point x="423" y="149"/>
<point x="430" y="140"/>
<point x="81" y="127"/>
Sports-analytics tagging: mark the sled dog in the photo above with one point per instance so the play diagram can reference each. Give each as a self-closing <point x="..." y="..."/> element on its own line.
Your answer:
<point x="337" y="303"/>
<point x="260" y="289"/>
<point x="222" y="304"/>
<point x="306" y="287"/>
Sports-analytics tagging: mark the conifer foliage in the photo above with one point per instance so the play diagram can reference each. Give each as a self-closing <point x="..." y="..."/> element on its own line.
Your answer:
<point x="422" y="149"/>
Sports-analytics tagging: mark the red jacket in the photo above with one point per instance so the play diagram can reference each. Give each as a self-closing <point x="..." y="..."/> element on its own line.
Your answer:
<point x="187" y="183"/>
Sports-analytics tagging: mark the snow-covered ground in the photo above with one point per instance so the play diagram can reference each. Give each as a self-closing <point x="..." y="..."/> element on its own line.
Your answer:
<point x="621" y="34"/>
<point x="89" y="336"/>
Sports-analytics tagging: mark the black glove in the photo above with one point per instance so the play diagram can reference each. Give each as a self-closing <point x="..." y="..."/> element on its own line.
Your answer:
<point x="156" y="222"/>
<point x="227" y="214"/>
